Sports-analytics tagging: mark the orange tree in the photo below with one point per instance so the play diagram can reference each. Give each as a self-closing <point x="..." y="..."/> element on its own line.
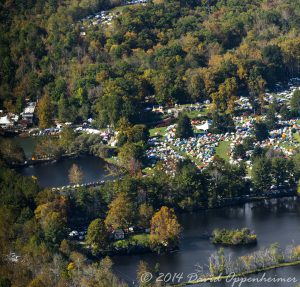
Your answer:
<point x="165" y="230"/>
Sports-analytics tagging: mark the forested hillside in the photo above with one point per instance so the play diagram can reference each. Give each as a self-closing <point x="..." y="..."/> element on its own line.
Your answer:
<point x="164" y="52"/>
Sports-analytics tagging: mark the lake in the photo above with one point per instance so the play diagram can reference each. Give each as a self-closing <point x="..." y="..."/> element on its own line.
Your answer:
<point x="56" y="174"/>
<point x="27" y="144"/>
<point x="275" y="220"/>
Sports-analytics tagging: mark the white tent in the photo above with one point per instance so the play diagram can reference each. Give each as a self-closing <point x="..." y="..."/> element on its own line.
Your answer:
<point x="92" y="131"/>
<point x="204" y="127"/>
<point x="5" y="121"/>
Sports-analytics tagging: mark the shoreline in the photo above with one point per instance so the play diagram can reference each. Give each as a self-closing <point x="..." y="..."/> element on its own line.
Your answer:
<point x="242" y="274"/>
<point x="30" y="162"/>
<point x="142" y="249"/>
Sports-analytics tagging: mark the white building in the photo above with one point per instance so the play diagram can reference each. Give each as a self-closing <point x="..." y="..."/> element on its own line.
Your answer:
<point x="8" y="120"/>
<point x="28" y="113"/>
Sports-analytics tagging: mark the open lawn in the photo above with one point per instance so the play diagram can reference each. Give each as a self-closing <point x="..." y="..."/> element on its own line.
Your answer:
<point x="297" y="137"/>
<point x="120" y="9"/>
<point x="160" y="131"/>
<point x="223" y="150"/>
<point x="196" y="114"/>
<point x="138" y="239"/>
<point x="292" y="144"/>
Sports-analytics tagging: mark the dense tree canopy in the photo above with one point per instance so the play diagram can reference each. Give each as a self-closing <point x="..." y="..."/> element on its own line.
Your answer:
<point x="97" y="236"/>
<point x="170" y="52"/>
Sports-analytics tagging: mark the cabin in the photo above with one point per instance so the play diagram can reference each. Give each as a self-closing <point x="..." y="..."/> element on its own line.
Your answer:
<point x="28" y="113"/>
<point x="118" y="234"/>
<point x="8" y="120"/>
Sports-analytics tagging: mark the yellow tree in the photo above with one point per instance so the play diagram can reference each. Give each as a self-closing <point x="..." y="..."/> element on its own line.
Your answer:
<point x="45" y="112"/>
<point x="224" y="98"/>
<point x="120" y="214"/>
<point x="291" y="55"/>
<point x="51" y="213"/>
<point x="165" y="229"/>
<point x="75" y="174"/>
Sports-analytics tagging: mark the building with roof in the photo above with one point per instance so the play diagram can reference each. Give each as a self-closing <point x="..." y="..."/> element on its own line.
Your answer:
<point x="28" y="114"/>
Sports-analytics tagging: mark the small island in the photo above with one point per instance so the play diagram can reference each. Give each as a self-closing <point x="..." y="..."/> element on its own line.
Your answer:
<point x="233" y="237"/>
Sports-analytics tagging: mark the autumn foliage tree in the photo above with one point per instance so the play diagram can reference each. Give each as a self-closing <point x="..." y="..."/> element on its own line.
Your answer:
<point x="97" y="236"/>
<point x="51" y="213"/>
<point x="121" y="212"/>
<point x="224" y="99"/>
<point x="45" y="111"/>
<point x="165" y="229"/>
<point x="75" y="174"/>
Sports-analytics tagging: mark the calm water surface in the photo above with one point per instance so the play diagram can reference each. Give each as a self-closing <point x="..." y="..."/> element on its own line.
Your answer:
<point x="56" y="174"/>
<point x="27" y="144"/>
<point x="276" y="220"/>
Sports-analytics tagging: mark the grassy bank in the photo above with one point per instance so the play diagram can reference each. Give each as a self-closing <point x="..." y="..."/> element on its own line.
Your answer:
<point x="242" y="274"/>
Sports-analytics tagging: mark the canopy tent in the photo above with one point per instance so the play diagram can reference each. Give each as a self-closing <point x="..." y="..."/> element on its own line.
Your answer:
<point x="204" y="127"/>
<point x="5" y="121"/>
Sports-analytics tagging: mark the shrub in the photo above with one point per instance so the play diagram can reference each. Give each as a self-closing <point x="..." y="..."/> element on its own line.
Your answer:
<point x="233" y="237"/>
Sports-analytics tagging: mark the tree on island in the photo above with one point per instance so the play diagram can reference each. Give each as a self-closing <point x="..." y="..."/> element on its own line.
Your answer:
<point x="97" y="236"/>
<point x="184" y="128"/>
<point x="75" y="174"/>
<point x="165" y="229"/>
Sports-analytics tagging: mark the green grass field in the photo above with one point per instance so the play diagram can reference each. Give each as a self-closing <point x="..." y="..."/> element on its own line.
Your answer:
<point x="161" y="131"/>
<point x="120" y="9"/>
<point x="223" y="150"/>
<point x="196" y="114"/>
<point x="297" y="137"/>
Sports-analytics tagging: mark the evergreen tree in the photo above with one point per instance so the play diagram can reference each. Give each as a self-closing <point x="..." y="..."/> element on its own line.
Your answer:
<point x="184" y="127"/>
<point x="261" y="174"/>
<point x="285" y="113"/>
<point x="261" y="131"/>
<point x="271" y="119"/>
<point x="295" y="102"/>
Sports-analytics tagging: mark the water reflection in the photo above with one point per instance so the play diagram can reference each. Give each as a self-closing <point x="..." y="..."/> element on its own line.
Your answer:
<point x="276" y="220"/>
<point x="56" y="174"/>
